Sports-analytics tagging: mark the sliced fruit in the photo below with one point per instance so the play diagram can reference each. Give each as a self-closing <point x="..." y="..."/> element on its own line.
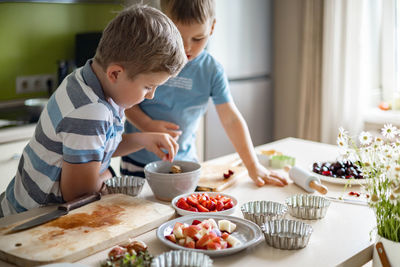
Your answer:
<point x="233" y="241"/>
<point x="213" y="223"/>
<point x="171" y="238"/>
<point x="227" y="226"/>
<point x="182" y="204"/>
<point x="177" y="231"/>
<point x="201" y="208"/>
<point x="224" y="235"/>
<point x="214" y="246"/>
<point x="206" y="239"/>
<point x="190" y="244"/>
<point x="196" y="222"/>
<point x="192" y="231"/>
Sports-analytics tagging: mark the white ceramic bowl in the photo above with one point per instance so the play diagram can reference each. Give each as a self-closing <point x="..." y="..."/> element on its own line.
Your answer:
<point x="166" y="185"/>
<point x="213" y="194"/>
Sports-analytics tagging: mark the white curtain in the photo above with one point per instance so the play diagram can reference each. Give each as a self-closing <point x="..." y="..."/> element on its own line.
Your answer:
<point x="349" y="65"/>
<point x="309" y="114"/>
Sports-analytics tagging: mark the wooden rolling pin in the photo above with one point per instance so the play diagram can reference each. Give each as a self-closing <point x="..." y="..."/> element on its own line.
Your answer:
<point x="306" y="180"/>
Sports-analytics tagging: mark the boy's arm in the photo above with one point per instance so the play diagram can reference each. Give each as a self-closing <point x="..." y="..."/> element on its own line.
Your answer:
<point x="80" y="179"/>
<point x="238" y="133"/>
<point x="144" y="123"/>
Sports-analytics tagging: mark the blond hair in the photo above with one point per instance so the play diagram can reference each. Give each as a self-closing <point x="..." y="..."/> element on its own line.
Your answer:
<point x="142" y="40"/>
<point x="189" y="11"/>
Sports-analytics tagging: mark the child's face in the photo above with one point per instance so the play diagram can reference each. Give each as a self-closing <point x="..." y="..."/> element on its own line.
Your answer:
<point x="195" y="36"/>
<point x="128" y="93"/>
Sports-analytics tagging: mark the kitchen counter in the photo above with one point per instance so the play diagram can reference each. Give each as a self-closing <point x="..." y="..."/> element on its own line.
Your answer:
<point x="341" y="238"/>
<point x="18" y="133"/>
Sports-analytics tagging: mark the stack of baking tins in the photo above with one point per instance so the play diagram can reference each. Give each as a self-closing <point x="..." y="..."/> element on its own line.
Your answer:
<point x="283" y="233"/>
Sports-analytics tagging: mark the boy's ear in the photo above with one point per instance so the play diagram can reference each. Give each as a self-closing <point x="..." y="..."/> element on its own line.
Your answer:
<point x="113" y="72"/>
<point x="212" y="26"/>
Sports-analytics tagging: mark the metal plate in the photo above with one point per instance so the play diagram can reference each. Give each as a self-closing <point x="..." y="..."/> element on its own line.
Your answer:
<point x="246" y="231"/>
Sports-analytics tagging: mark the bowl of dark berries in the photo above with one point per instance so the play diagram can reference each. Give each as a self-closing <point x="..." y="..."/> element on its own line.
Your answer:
<point x="340" y="172"/>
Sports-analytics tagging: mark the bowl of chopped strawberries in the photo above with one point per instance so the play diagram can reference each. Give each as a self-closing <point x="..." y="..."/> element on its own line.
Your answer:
<point x="204" y="202"/>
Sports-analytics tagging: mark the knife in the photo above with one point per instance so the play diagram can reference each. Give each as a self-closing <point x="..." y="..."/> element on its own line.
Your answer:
<point x="349" y="201"/>
<point x="60" y="211"/>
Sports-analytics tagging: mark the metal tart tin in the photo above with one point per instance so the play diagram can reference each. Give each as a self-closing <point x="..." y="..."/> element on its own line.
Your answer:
<point x="263" y="211"/>
<point x="182" y="258"/>
<point x="287" y="234"/>
<point x="307" y="207"/>
<point x="129" y="185"/>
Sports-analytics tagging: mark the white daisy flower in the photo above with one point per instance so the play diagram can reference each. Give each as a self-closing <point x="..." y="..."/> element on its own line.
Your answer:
<point x="365" y="138"/>
<point x="342" y="143"/>
<point x="389" y="131"/>
<point x="378" y="141"/>
<point x="342" y="133"/>
<point x="396" y="191"/>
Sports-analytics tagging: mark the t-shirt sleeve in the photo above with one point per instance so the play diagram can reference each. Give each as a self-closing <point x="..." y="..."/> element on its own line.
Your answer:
<point x="220" y="92"/>
<point x="84" y="133"/>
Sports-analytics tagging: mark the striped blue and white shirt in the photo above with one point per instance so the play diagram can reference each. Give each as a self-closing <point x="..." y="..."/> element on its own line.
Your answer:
<point x="78" y="125"/>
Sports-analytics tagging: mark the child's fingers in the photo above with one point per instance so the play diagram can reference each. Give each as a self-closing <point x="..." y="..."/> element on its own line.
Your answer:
<point x="277" y="176"/>
<point x="273" y="181"/>
<point x="175" y="134"/>
<point x="171" y="125"/>
<point x="171" y="146"/>
<point x="161" y="154"/>
<point x="259" y="182"/>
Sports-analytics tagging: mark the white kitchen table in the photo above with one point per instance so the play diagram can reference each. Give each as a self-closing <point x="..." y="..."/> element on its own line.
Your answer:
<point x="341" y="238"/>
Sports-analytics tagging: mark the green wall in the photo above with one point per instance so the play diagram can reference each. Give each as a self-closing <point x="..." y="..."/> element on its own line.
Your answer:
<point x="34" y="36"/>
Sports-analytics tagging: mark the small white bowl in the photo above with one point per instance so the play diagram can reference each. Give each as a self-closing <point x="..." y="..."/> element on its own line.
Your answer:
<point x="166" y="185"/>
<point x="187" y="212"/>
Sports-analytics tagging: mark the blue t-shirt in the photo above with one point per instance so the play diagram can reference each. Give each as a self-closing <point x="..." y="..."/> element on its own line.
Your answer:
<point x="183" y="100"/>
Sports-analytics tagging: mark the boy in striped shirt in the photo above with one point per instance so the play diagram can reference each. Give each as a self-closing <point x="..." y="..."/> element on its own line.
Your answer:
<point x="81" y="127"/>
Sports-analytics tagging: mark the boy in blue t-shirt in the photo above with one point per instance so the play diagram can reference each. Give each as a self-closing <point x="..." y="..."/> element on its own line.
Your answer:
<point x="81" y="127"/>
<point x="178" y="107"/>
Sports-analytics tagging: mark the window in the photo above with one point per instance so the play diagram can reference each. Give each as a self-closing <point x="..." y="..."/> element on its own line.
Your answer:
<point x="389" y="53"/>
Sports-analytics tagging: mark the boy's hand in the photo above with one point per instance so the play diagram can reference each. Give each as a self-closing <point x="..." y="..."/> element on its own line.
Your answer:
<point x="155" y="142"/>
<point x="164" y="127"/>
<point x="262" y="176"/>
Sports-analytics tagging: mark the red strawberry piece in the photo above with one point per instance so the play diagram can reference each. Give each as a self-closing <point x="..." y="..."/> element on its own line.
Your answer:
<point x="196" y="222"/>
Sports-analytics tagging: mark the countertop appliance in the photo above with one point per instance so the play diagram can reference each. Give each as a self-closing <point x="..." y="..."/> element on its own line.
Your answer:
<point x="242" y="44"/>
<point x="16" y="113"/>
<point x="18" y="120"/>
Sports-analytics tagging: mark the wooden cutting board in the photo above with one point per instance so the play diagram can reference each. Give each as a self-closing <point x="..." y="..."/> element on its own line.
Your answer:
<point x="84" y="231"/>
<point x="212" y="176"/>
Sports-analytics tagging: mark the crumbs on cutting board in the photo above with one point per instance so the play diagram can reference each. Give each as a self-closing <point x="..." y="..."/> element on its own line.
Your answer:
<point x="103" y="215"/>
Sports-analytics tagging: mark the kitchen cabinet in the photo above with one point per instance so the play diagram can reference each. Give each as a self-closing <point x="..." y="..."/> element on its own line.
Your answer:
<point x="254" y="101"/>
<point x="246" y="56"/>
